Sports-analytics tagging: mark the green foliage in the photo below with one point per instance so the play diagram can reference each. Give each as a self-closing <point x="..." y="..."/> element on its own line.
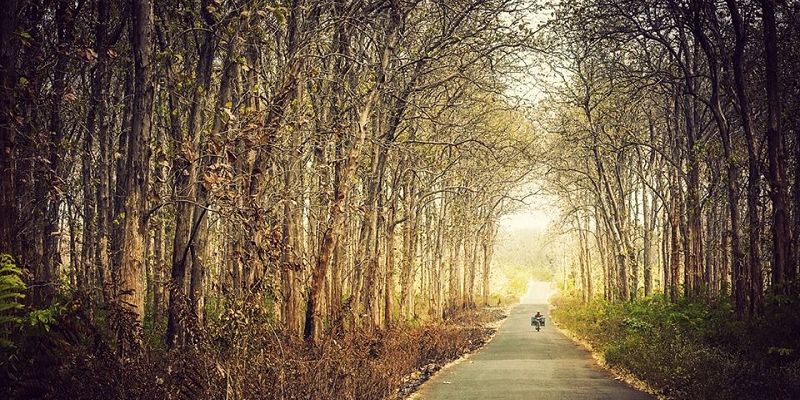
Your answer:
<point x="45" y="318"/>
<point x="691" y="349"/>
<point x="11" y="292"/>
<point x="12" y="312"/>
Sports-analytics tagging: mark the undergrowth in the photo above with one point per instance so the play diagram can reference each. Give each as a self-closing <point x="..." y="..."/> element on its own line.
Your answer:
<point x="694" y="349"/>
<point x="241" y="355"/>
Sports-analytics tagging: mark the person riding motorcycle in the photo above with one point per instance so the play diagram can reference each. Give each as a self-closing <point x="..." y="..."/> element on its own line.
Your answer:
<point x="537" y="320"/>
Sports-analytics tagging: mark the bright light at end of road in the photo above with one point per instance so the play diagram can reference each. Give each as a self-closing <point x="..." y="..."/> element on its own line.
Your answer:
<point x="530" y="220"/>
<point x="538" y="293"/>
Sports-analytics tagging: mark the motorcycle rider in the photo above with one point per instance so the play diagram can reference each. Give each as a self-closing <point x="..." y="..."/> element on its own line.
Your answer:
<point x="537" y="318"/>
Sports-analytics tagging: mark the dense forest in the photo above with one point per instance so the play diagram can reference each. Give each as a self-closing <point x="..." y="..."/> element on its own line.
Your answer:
<point x="301" y="199"/>
<point x="171" y="169"/>
<point x="674" y="152"/>
<point x="683" y="162"/>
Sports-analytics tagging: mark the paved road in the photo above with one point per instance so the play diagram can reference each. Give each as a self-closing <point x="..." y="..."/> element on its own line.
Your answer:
<point x="520" y="363"/>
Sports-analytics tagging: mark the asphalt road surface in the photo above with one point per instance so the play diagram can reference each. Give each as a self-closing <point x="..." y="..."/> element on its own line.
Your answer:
<point x="520" y="363"/>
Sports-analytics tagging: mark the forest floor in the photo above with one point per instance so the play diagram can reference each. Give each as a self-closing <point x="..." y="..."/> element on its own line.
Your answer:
<point x="519" y="363"/>
<point x="241" y="356"/>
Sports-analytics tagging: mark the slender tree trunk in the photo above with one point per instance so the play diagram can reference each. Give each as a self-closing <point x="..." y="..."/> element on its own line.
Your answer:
<point x="675" y="240"/>
<point x="105" y="208"/>
<point x="333" y="232"/>
<point x="665" y="254"/>
<point x="438" y="256"/>
<point x="9" y="47"/>
<point x="409" y="236"/>
<point x="582" y="259"/>
<point x="753" y="161"/>
<point x="158" y="271"/>
<point x="469" y="259"/>
<point x="96" y="111"/>
<point x="388" y="300"/>
<point x="486" y="245"/>
<point x="601" y="249"/>
<point x="199" y="247"/>
<point x="117" y="179"/>
<point x="647" y="251"/>
<point x="781" y="234"/>
<point x="191" y="225"/>
<point x="796" y="195"/>
<point x="51" y="234"/>
<point x="131" y="289"/>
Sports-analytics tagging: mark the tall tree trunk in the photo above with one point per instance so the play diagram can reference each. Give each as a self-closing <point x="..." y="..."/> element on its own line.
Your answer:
<point x="105" y="209"/>
<point x="409" y="247"/>
<point x="158" y="272"/>
<point x="753" y="162"/>
<point x="131" y="290"/>
<point x="438" y="256"/>
<point x="454" y="265"/>
<point x="191" y="225"/>
<point x="64" y="20"/>
<point x="288" y="253"/>
<point x="388" y="300"/>
<point x="601" y="249"/>
<point x="9" y="46"/>
<point x="97" y="110"/>
<point x="647" y="243"/>
<point x="582" y="259"/>
<point x="781" y="233"/>
<point x="675" y="240"/>
<point x="796" y="195"/>
<point x="333" y="232"/>
<point x="469" y="258"/>
<point x="665" y="253"/>
<point x="487" y="245"/>
<point x="199" y="248"/>
<point x="588" y="258"/>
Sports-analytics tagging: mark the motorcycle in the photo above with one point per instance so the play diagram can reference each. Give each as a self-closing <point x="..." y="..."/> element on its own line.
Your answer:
<point x="537" y="323"/>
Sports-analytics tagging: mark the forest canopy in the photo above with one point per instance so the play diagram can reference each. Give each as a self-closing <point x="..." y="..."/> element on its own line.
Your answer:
<point x="208" y="185"/>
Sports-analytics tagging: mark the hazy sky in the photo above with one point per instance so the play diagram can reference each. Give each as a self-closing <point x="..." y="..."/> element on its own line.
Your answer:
<point x="534" y="217"/>
<point x="529" y="219"/>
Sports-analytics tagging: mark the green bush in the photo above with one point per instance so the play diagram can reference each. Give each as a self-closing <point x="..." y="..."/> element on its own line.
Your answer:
<point x="693" y="349"/>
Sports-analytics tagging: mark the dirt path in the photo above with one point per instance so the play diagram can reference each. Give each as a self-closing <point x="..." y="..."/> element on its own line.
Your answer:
<point x="520" y="363"/>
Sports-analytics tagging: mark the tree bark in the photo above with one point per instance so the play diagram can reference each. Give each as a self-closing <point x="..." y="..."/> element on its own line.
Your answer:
<point x="9" y="47"/>
<point x="333" y="232"/>
<point x="199" y="248"/>
<point x="753" y="162"/>
<point x="487" y="242"/>
<point x="131" y="289"/>
<point x="781" y="234"/>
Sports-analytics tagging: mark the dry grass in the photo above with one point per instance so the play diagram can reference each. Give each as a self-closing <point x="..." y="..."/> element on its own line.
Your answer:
<point x="239" y="357"/>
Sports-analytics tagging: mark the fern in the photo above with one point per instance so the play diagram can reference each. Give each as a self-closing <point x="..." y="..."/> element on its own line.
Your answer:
<point x="11" y="288"/>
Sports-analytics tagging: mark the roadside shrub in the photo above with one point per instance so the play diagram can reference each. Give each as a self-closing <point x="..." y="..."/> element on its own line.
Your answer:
<point x="240" y="355"/>
<point x="693" y="350"/>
